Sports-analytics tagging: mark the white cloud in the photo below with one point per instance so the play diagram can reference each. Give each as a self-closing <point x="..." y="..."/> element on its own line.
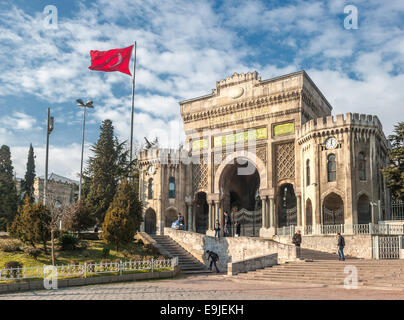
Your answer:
<point x="19" y="121"/>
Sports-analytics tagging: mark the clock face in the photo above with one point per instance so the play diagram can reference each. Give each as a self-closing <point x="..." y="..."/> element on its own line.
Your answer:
<point x="331" y="143"/>
<point x="151" y="169"/>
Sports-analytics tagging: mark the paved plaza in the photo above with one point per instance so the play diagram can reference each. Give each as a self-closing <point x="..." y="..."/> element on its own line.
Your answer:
<point x="205" y="287"/>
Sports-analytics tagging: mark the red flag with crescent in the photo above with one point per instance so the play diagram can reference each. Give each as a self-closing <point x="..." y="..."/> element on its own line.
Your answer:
<point x="111" y="60"/>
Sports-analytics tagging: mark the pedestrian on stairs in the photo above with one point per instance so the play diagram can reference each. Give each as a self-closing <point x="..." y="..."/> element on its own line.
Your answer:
<point x="181" y="221"/>
<point x="341" y="245"/>
<point x="217" y="229"/>
<point x="214" y="258"/>
<point x="297" y="240"/>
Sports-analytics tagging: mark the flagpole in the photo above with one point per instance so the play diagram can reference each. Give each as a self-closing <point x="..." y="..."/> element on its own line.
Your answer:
<point x="132" y="111"/>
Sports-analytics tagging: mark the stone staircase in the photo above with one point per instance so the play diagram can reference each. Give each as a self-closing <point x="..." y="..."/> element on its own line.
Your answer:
<point x="321" y="268"/>
<point x="187" y="262"/>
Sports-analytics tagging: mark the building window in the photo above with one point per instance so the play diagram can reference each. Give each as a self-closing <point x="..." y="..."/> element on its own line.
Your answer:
<point x="331" y="168"/>
<point x="307" y="172"/>
<point x="171" y="187"/>
<point x="150" y="189"/>
<point x="362" y="166"/>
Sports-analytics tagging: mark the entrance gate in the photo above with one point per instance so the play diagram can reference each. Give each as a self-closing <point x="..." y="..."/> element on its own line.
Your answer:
<point x="250" y="222"/>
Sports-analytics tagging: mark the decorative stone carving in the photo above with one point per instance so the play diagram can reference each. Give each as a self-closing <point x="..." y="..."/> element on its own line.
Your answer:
<point x="285" y="161"/>
<point x="199" y="176"/>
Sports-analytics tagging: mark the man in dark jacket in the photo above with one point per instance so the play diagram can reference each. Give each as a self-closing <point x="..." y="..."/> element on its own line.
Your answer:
<point x="181" y="221"/>
<point x="214" y="257"/>
<point x="297" y="240"/>
<point x="341" y="245"/>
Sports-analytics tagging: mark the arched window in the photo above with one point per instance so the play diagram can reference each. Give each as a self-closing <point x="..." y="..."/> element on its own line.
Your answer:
<point x="331" y="168"/>
<point x="171" y="187"/>
<point x="307" y="172"/>
<point x="362" y="166"/>
<point x="150" y="189"/>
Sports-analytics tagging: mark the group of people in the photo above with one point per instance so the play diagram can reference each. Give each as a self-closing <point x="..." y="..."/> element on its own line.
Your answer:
<point x="297" y="240"/>
<point x="179" y="224"/>
<point x="227" y="227"/>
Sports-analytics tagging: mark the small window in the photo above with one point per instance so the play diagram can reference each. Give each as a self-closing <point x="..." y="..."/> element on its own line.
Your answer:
<point x="362" y="166"/>
<point x="171" y="187"/>
<point x="307" y="172"/>
<point x="331" y="168"/>
<point x="150" y="189"/>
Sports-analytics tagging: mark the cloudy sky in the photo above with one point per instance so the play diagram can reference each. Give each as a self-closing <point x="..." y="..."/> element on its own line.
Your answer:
<point x="184" y="47"/>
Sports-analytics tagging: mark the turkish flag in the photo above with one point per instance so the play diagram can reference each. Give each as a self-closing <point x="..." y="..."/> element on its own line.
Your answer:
<point x="111" y="60"/>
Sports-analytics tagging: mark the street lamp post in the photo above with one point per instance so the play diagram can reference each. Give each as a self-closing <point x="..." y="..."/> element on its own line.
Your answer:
<point x="49" y="129"/>
<point x="89" y="104"/>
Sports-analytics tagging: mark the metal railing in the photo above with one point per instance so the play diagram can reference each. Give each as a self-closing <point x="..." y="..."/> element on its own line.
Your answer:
<point x="86" y="269"/>
<point x="318" y="229"/>
<point x="397" y="210"/>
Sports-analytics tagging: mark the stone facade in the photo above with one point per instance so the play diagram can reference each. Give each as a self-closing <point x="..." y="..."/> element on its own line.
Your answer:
<point x="60" y="189"/>
<point x="272" y="147"/>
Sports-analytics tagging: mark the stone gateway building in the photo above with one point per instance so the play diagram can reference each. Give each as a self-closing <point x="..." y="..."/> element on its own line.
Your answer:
<point x="270" y="153"/>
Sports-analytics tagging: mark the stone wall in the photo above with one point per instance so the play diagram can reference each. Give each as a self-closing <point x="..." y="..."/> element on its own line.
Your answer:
<point x="230" y="249"/>
<point x="252" y="264"/>
<point x="359" y="246"/>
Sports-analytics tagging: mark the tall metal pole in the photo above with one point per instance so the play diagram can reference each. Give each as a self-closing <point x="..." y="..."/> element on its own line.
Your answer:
<point x="82" y="151"/>
<point x="46" y="159"/>
<point x="132" y="111"/>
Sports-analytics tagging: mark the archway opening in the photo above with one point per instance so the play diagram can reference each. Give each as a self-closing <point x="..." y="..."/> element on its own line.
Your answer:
<point x="170" y="216"/>
<point x="333" y="209"/>
<point x="239" y="189"/>
<point x="287" y="206"/>
<point x="150" y="221"/>
<point x="364" y="211"/>
<point x="201" y="213"/>
<point x="309" y="213"/>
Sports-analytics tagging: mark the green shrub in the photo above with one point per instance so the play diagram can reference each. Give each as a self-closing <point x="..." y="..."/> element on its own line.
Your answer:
<point x="13" y="265"/>
<point x="32" y="252"/>
<point x="105" y="253"/>
<point x="10" y="245"/>
<point x="68" y="242"/>
<point x="3" y="224"/>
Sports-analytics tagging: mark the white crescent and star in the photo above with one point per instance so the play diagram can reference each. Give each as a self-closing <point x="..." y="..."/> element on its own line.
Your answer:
<point x="119" y="60"/>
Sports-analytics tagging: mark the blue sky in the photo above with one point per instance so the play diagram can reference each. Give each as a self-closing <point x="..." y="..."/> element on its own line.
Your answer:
<point x="184" y="47"/>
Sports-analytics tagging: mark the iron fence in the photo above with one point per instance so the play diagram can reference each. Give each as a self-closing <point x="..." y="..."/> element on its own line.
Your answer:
<point x="86" y="269"/>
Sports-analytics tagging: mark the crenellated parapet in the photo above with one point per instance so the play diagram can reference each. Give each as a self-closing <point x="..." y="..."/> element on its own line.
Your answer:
<point x="162" y="156"/>
<point x="350" y="122"/>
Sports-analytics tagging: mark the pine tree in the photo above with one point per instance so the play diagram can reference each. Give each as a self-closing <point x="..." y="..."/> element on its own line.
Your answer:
<point x="123" y="217"/>
<point x="32" y="224"/>
<point x="108" y="165"/>
<point x="8" y="190"/>
<point x="394" y="172"/>
<point x="28" y="184"/>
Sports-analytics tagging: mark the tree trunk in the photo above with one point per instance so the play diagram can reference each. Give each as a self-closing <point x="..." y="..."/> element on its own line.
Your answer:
<point x="44" y="247"/>
<point x="53" y="248"/>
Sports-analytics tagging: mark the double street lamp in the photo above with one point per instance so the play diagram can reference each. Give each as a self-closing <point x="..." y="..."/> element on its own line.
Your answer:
<point x="89" y="104"/>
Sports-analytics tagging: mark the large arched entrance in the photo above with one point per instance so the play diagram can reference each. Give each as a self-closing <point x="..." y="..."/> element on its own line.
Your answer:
<point x="171" y="215"/>
<point x="201" y="213"/>
<point x="287" y="206"/>
<point x="239" y="187"/>
<point x="333" y="209"/>
<point x="150" y="221"/>
<point x="364" y="212"/>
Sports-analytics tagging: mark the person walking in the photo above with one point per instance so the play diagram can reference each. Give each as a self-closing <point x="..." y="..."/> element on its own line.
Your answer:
<point x="297" y="240"/>
<point x="217" y="229"/>
<point x="213" y="256"/>
<point x="237" y="225"/>
<point x="341" y="245"/>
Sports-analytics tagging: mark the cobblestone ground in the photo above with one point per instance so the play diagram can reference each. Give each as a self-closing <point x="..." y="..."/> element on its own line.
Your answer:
<point x="203" y="287"/>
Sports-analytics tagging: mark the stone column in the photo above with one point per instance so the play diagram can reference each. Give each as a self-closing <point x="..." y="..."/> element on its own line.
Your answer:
<point x="189" y="224"/>
<point x="263" y="209"/>
<point x="210" y="226"/>
<point x="299" y="210"/>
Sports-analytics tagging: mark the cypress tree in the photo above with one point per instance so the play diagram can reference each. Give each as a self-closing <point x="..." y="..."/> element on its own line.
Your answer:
<point x="28" y="185"/>
<point x="103" y="181"/>
<point x="8" y="190"/>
